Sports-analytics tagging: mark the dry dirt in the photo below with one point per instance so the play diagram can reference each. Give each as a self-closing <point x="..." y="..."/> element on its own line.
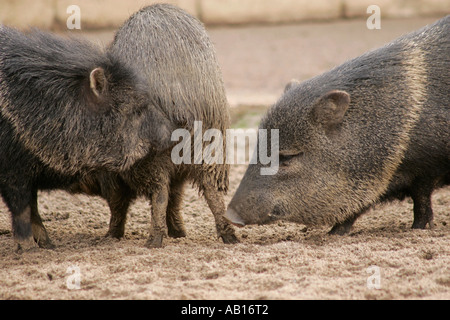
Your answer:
<point x="278" y="261"/>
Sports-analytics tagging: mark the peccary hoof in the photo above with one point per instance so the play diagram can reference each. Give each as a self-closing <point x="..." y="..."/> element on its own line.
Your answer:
<point x="226" y="232"/>
<point x="343" y="228"/>
<point x="176" y="233"/>
<point x="340" y="229"/>
<point x="113" y="233"/>
<point x="41" y="238"/>
<point x="422" y="224"/>
<point x="155" y="241"/>
<point x="27" y="244"/>
<point x="229" y="239"/>
<point x="45" y="244"/>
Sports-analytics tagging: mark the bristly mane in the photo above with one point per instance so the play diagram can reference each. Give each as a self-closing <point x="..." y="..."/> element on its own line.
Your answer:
<point x="179" y="60"/>
<point x="184" y="77"/>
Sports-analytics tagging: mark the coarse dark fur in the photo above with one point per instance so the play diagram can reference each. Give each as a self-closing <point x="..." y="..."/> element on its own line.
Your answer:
<point x="176" y="56"/>
<point x="66" y="107"/>
<point x="179" y="63"/>
<point x="373" y="129"/>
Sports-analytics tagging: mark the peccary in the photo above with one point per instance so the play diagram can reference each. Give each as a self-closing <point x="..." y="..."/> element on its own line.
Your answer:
<point x="66" y="108"/>
<point x="175" y="54"/>
<point x="373" y="129"/>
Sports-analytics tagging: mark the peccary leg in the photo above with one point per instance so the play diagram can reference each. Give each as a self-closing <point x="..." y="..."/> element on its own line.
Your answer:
<point x="216" y="203"/>
<point x="22" y="230"/>
<point x="174" y="219"/>
<point x="423" y="214"/>
<point x="158" y="230"/>
<point x="38" y="230"/>
<point x="18" y="202"/>
<point x="119" y="202"/>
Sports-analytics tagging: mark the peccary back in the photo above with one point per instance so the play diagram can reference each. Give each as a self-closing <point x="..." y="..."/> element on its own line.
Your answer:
<point x="178" y="59"/>
<point x="72" y="105"/>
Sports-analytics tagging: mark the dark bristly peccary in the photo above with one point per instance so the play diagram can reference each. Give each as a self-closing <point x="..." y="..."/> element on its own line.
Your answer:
<point x="66" y="107"/>
<point x="375" y="128"/>
<point x="175" y="54"/>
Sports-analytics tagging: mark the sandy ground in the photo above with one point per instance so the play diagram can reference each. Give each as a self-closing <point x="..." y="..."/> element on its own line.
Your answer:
<point x="278" y="261"/>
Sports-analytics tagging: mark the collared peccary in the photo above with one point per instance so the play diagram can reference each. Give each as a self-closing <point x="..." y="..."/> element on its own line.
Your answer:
<point x="66" y="108"/>
<point x="176" y="56"/>
<point x="373" y="129"/>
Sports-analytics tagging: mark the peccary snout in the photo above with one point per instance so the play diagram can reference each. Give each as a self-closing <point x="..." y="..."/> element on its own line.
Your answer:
<point x="234" y="218"/>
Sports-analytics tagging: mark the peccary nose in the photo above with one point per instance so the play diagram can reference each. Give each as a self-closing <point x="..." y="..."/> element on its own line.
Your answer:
<point x="234" y="218"/>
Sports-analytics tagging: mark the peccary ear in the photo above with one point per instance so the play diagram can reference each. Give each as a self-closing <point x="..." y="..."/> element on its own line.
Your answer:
<point x="98" y="82"/>
<point x="291" y="84"/>
<point x="330" y="109"/>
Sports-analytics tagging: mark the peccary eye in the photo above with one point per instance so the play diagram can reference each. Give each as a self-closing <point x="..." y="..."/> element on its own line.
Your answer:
<point x="284" y="159"/>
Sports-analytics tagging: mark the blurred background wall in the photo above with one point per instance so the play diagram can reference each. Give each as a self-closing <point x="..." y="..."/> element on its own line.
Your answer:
<point x="103" y="14"/>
